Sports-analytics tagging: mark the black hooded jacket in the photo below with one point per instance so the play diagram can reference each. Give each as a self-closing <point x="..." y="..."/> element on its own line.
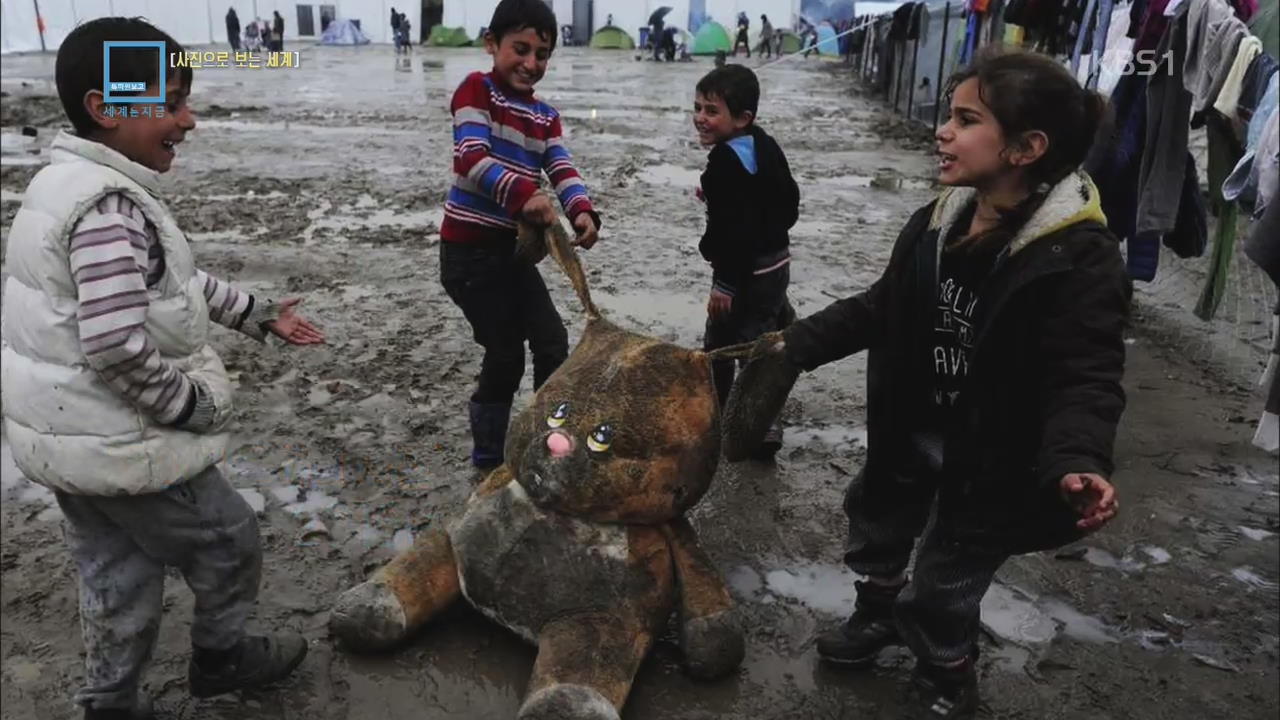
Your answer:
<point x="748" y="214"/>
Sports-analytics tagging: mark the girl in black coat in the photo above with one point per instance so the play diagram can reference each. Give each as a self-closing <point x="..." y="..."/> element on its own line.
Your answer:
<point x="996" y="351"/>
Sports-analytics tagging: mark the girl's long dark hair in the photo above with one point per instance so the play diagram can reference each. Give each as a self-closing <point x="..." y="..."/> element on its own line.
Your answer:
<point x="1027" y="91"/>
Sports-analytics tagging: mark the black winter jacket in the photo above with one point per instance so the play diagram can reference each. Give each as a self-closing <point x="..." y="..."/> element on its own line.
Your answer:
<point x="748" y="215"/>
<point x="1042" y="398"/>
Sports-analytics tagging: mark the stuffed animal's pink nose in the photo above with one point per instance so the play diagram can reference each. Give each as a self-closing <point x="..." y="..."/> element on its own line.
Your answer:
<point x="559" y="444"/>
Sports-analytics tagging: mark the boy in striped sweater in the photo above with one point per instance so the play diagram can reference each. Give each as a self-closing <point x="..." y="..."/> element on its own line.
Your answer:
<point x="112" y="395"/>
<point x="504" y="140"/>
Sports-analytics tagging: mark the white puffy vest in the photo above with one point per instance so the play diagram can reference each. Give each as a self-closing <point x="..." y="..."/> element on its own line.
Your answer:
<point x="68" y="429"/>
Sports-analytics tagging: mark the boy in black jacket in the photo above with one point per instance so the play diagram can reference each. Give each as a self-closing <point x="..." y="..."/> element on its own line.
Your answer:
<point x="752" y="202"/>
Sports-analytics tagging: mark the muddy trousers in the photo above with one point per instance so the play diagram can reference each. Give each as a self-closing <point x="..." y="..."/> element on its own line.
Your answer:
<point x="121" y="546"/>
<point x="938" y="611"/>
<point x="507" y="303"/>
<point x="759" y="306"/>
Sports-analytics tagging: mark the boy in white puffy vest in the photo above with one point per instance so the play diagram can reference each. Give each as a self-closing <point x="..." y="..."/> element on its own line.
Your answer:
<point x="112" y="395"/>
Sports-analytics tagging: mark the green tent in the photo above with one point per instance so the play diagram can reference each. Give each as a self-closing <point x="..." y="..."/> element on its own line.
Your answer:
<point x="611" y="37"/>
<point x="442" y="36"/>
<point x="711" y="37"/>
<point x="790" y="43"/>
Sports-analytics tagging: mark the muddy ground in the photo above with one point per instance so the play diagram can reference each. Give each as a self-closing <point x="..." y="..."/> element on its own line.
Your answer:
<point x="327" y="182"/>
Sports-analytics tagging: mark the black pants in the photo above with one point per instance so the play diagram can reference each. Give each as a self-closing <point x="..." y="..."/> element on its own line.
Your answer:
<point x="760" y="306"/>
<point x="939" y="610"/>
<point x="743" y="41"/>
<point x="507" y="304"/>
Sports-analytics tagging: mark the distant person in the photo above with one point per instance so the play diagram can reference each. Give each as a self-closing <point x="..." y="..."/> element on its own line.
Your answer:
<point x="808" y="37"/>
<point x="766" y="36"/>
<point x="395" y="22"/>
<point x="114" y="397"/>
<point x="655" y="36"/>
<point x="277" y="32"/>
<point x="669" y="43"/>
<point x="505" y="139"/>
<point x="609" y="20"/>
<point x="752" y="202"/>
<point x="405" y="41"/>
<point x="233" y="30"/>
<point x="252" y="33"/>
<point x="743" y="39"/>
<point x="996" y="336"/>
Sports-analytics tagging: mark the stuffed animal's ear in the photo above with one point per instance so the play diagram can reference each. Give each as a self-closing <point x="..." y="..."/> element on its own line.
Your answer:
<point x="759" y="392"/>
<point x="531" y="243"/>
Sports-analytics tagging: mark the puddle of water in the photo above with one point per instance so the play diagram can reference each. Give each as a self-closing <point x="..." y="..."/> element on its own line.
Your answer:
<point x="681" y="314"/>
<point x="297" y="501"/>
<point x="1246" y="575"/>
<point x="825" y="588"/>
<point x="402" y="540"/>
<point x="880" y="182"/>
<point x="273" y="195"/>
<point x="670" y="175"/>
<point x="657" y="143"/>
<point x="275" y="127"/>
<point x="1256" y="533"/>
<point x="1022" y="618"/>
<point x="1128" y="563"/>
<point x="745" y="581"/>
<point x="254" y="498"/>
<point x="7" y="195"/>
<point x="830" y="435"/>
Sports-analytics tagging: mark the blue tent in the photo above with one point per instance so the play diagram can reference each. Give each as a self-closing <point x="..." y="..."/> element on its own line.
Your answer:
<point x="827" y="42"/>
<point x="343" y="32"/>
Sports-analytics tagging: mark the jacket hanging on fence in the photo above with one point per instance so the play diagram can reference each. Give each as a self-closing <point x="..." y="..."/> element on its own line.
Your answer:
<point x="1255" y="85"/>
<point x="1167" y="135"/>
<point x="1263" y="248"/>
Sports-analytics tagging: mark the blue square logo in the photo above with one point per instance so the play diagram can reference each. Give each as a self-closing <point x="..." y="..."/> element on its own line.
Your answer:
<point x="132" y="84"/>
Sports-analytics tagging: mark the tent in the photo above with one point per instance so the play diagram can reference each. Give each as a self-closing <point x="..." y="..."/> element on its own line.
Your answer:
<point x="790" y="43"/>
<point x="442" y="36"/>
<point x="711" y="37"/>
<point x="827" y="42"/>
<point x="612" y="38"/>
<point x="343" y="32"/>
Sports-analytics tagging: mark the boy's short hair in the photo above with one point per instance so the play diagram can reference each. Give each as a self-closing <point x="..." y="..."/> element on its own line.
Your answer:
<point x="515" y="15"/>
<point x="78" y="68"/>
<point x="736" y="85"/>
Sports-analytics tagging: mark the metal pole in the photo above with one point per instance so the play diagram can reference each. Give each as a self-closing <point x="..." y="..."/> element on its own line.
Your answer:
<point x="40" y="25"/>
<point x="942" y="61"/>
<point x="911" y="88"/>
<point x="897" y="74"/>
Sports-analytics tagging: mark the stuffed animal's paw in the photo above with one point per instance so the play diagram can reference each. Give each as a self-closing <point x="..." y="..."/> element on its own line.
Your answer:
<point x="563" y="701"/>
<point x="713" y="645"/>
<point x="368" y="617"/>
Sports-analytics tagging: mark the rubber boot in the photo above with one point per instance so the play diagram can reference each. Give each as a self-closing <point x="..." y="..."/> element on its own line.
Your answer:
<point x="488" y="433"/>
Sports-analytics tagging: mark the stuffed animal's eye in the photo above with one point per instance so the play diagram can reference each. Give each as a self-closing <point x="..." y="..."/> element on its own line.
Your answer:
<point x="601" y="438"/>
<point x="558" y="416"/>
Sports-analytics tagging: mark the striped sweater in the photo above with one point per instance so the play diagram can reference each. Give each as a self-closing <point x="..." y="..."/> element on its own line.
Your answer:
<point x="115" y="257"/>
<point x="502" y="143"/>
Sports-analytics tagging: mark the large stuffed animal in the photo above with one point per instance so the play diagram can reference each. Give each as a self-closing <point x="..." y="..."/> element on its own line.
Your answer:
<point x="579" y="542"/>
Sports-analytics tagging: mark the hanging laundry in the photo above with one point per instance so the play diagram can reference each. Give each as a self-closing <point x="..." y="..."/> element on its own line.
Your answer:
<point x="1167" y="135"/>
<point x="1229" y="96"/>
<point x="1255" y="85"/>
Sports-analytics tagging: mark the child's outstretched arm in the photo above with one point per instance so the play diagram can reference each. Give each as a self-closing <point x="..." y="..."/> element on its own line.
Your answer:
<point x="472" y="143"/>
<point x="110" y="263"/>
<point x="255" y="316"/>
<point x="569" y="187"/>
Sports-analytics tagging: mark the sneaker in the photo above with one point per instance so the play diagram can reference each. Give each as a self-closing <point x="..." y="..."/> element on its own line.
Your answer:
<point x="868" y="631"/>
<point x="255" y="662"/>
<point x="946" y="693"/>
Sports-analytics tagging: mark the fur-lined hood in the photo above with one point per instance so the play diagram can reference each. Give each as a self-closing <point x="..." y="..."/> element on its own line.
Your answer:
<point x="1074" y="199"/>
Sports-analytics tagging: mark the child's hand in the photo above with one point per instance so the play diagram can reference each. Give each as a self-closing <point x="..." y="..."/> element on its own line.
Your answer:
<point x="719" y="304"/>
<point x="539" y="211"/>
<point x="292" y="327"/>
<point x="587" y="231"/>
<point x="1091" y="496"/>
